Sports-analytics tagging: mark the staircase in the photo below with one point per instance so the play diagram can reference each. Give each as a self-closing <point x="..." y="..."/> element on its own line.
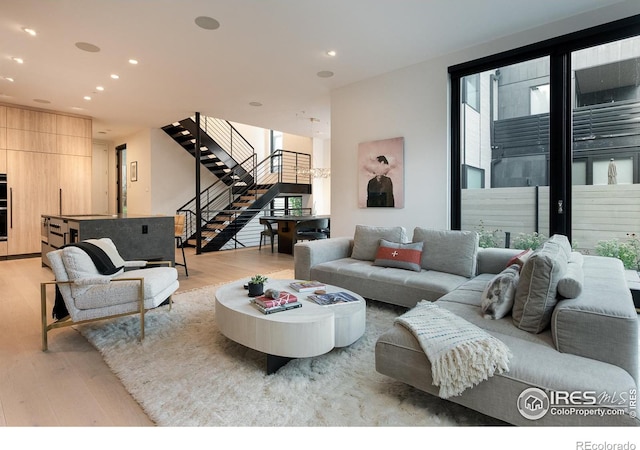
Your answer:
<point x="244" y="188"/>
<point x="221" y="145"/>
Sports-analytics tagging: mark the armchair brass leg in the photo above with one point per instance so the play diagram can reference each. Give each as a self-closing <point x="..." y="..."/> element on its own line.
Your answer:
<point x="141" y="294"/>
<point x="43" y="312"/>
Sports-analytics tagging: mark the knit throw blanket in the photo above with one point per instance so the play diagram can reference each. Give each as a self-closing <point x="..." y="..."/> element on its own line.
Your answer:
<point x="461" y="354"/>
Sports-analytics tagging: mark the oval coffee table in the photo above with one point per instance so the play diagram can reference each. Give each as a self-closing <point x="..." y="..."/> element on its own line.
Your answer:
<point x="304" y="332"/>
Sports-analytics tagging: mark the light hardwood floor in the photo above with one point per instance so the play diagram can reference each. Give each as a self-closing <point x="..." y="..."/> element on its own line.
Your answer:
<point x="70" y="385"/>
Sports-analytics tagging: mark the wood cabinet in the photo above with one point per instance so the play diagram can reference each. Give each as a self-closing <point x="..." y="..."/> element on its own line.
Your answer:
<point x="48" y="165"/>
<point x="74" y="184"/>
<point x="32" y="190"/>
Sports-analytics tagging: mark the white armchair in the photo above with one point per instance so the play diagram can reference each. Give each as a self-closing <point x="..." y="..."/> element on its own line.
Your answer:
<point x="90" y="295"/>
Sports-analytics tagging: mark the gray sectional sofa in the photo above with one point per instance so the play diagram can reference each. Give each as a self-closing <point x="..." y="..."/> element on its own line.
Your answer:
<point x="574" y="360"/>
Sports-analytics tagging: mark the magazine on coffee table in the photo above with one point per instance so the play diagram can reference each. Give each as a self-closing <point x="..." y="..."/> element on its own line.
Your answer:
<point x="275" y="309"/>
<point x="307" y="286"/>
<point x="334" y="298"/>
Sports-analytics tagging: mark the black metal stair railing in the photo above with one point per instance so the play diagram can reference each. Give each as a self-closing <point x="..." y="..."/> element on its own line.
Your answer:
<point x="231" y="203"/>
<point x="221" y="145"/>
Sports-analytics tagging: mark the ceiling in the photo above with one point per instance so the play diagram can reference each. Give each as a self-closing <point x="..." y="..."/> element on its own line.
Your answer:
<point x="264" y="52"/>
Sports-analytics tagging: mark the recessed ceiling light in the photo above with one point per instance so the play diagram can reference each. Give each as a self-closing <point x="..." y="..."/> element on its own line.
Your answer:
<point x="115" y="76"/>
<point x="18" y="60"/>
<point x="87" y="47"/>
<point x="40" y="100"/>
<point x="331" y="53"/>
<point x="30" y="31"/>
<point x="99" y="88"/>
<point x="86" y="97"/>
<point x="11" y="80"/>
<point x="207" y="23"/>
<point x="255" y="104"/>
<point x="77" y="108"/>
<point x="133" y="61"/>
<point x="325" y="74"/>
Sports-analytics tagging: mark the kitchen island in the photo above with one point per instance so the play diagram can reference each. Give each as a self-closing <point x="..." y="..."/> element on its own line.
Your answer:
<point x="137" y="237"/>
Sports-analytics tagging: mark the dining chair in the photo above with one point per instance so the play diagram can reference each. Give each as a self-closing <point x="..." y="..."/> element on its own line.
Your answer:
<point x="312" y="229"/>
<point x="268" y="232"/>
<point x="178" y="232"/>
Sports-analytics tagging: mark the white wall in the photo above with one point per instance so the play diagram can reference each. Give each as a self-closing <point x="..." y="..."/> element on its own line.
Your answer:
<point x="165" y="170"/>
<point x="321" y="187"/>
<point x="413" y="103"/>
<point x="173" y="182"/>
<point x="139" y="192"/>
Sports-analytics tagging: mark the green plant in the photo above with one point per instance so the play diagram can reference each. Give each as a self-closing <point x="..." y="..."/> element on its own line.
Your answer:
<point x="628" y="252"/>
<point x="525" y="241"/>
<point x="258" y="279"/>
<point x="487" y="238"/>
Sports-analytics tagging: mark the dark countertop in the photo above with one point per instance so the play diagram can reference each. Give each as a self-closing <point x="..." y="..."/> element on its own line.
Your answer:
<point x="81" y="217"/>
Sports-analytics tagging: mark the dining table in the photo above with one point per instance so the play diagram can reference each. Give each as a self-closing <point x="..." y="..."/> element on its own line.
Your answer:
<point x="287" y="229"/>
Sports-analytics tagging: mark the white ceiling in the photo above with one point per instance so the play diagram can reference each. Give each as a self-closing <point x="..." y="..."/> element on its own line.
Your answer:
<point x="266" y="51"/>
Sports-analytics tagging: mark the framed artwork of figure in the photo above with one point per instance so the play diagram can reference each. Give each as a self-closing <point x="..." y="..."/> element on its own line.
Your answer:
<point x="381" y="173"/>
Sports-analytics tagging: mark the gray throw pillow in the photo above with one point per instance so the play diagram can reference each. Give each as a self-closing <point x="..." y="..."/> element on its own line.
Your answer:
<point x="570" y="286"/>
<point x="450" y="251"/>
<point x="401" y="256"/>
<point x="536" y="294"/>
<point x="367" y="239"/>
<point x="498" y="296"/>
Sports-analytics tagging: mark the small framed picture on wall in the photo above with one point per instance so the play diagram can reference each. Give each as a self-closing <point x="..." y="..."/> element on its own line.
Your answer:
<point x="134" y="171"/>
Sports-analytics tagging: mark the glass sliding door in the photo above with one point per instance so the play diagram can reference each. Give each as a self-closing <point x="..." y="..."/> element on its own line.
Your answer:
<point x="504" y="153"/>
<point x="546" y="139"/>
<point x="606" y="145"/>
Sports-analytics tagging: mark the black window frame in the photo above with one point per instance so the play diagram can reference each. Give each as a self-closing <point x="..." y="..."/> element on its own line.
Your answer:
<point x="559" y="50"/>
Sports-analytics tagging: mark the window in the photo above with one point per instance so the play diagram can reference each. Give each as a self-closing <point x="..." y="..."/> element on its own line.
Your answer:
<point x="539" y="99"/>
<point x="277" y="138"/>
<point x="558" y="128"/>
<point x="471" y="91"/>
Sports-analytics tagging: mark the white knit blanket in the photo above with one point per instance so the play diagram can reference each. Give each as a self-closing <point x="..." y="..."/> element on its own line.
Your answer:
<point x="461" y="354"/>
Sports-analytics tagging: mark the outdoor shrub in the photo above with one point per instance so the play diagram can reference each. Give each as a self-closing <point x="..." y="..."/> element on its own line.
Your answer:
<point x="526" y="241"/>
<point x="628" y="252"/>
<point x="487" y="238"/>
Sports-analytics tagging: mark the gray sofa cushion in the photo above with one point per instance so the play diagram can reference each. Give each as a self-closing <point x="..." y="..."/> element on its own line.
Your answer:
<point x="536" y="294"/>
<point x="450" y="251"/>
<point x="367" y="239"/>
<point x="602" y="322"/>
<point x="402" y="256"/>
<point x="570" y="286"/>
<point x="391" y="285"/>
<point x="563" y="242"/>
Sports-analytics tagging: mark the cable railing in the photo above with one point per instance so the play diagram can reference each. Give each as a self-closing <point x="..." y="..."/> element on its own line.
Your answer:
<point x="242" y="185"/>
<point x="227" y="137"/>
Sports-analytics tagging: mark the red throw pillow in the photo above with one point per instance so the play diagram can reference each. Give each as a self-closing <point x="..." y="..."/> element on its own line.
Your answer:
<point x="400" y="256"/>
<point x="520" y="258"/>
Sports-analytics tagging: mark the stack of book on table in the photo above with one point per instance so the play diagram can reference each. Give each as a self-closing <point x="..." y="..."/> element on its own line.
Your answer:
<point x="307" y="286"/>
<point x="333" y="298"/>
<point x="268" y="305"/>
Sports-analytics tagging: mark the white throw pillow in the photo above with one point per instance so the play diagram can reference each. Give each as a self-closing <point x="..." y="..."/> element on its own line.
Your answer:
<point x="498" y="296"/>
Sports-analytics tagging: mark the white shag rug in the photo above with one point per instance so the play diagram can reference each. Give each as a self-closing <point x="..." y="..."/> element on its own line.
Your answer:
<point x="186" y="373"/>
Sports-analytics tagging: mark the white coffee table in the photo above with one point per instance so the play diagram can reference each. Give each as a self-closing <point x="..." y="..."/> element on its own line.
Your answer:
<point x="304" y="332"/>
